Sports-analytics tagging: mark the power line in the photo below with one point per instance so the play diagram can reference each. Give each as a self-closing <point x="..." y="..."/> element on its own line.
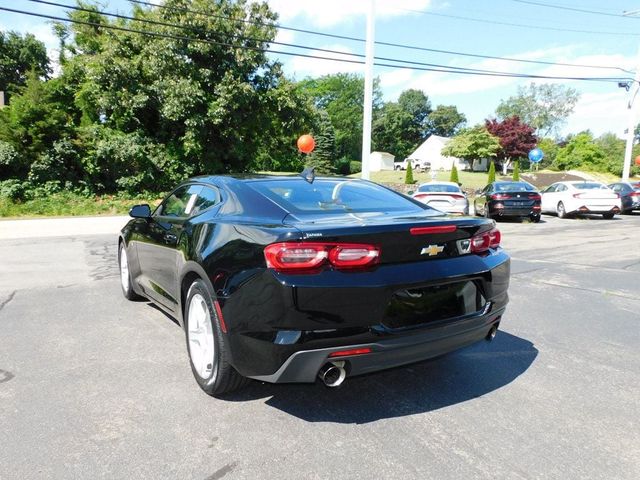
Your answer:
<point x="435" y="68"/>
<point x="323" y="50"/>
<point x="571" y="9"/>
<point x="521" y="25"/>
<point x="382" y="43"/>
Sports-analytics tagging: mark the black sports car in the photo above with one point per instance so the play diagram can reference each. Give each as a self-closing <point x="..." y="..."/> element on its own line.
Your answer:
<point x="284" y="279"/>
<point x="508" y="199"/>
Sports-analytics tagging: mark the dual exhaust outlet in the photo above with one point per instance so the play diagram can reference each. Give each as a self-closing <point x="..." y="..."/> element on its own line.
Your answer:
<point x="333" y="374"/>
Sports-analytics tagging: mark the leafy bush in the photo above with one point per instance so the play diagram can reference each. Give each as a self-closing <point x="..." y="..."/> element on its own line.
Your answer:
<point x="492" y="173"/>
<point x="13" y="189"/>
<point x="408" y="177"/>
<point x="355" y="166"/>
<point x="343" y="167"/>
<point x="454" y="174"/>
<point x="516" y="171"/>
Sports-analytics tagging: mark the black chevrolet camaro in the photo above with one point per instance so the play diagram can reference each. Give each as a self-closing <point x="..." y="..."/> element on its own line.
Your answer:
<point x="291" y="278"/>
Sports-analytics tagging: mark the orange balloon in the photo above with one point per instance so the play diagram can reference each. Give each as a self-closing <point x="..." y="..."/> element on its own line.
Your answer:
<point x="306" y="144"/>
<point x="638" y="160"/>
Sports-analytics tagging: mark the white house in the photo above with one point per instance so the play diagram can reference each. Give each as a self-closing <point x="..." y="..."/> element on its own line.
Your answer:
<point x="431" y="151"/>
<point x="380" y="161"/>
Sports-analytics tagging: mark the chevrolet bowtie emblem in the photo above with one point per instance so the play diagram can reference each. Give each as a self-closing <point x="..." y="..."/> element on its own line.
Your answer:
<point x="432" y="250"/>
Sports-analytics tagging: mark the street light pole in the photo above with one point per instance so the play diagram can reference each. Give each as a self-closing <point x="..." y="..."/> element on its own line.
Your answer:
<point x="368" y="92"/>
<point x="631" y="126"/>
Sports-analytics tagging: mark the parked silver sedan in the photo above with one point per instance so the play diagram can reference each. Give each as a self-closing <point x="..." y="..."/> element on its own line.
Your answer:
<point x="444" y="196"/>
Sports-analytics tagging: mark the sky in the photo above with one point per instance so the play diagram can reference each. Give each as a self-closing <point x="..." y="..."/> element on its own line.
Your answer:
<point x="554" y="31"/>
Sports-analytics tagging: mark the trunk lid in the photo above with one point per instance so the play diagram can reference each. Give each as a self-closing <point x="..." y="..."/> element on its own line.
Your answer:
<point x="396" y="235"/>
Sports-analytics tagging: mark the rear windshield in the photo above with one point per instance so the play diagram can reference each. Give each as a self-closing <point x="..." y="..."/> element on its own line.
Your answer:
<point x="589" y="186"/>
<point x="334" y="195"/>
<point x="439" y="188"/>
<point x="514" y="187"/>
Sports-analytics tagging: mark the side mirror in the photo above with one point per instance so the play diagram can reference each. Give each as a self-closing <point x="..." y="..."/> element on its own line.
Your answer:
<point x="140" y="211"/>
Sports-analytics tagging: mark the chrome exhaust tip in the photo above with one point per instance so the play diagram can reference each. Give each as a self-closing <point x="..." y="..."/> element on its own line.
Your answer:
<point x="492" y="333"/>
<point x="332" y="374"/>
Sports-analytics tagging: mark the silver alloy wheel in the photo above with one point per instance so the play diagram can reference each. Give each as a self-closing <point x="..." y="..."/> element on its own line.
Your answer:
<point x="124" y="269"/>
<point x="200" y="334"/>
<point x="561" y="211"/>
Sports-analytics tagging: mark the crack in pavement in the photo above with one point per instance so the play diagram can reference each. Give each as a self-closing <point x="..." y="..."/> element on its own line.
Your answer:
<point x="9" y="298"/>
<point x="585" y="289"/>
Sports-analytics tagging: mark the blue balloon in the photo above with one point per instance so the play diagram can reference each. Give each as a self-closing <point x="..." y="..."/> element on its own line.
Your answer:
<point x="536" y="155"/>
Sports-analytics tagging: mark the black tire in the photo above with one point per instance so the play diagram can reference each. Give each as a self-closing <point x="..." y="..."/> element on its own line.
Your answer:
<point x="223" y="378"/>
<point x="125" y="275"/>
<point x="608" y="215"/>
<point x="562" y="213"/>
<point x="535" y="218"/>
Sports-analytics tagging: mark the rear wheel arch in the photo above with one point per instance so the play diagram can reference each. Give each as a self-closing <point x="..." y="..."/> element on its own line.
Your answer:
<point x="190" y="274"/>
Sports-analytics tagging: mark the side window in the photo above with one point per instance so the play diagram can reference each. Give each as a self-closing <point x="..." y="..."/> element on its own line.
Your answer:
<point x="561" y="188"/>
<point x="550" y="189"/>
<point x="181" y="202"/>
<point x="207" y="197"/>
<point x="616" y="188"/>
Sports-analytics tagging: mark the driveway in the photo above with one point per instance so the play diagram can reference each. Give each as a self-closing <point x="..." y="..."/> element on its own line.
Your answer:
<point x="94" y="386"/>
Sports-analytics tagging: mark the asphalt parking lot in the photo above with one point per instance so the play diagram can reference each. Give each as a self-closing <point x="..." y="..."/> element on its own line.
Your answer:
<point x="93" y="386"/>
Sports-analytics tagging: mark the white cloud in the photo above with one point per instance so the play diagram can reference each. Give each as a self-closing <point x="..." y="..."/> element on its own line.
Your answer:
<point x="332" y="12"/>
<point x="395" y="78"/>
<point x="600" y="113"/>
<point x="315" y="67"/>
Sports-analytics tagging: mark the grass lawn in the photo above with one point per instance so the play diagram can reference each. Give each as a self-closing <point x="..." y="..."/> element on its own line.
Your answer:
<point x="66" y="204"/>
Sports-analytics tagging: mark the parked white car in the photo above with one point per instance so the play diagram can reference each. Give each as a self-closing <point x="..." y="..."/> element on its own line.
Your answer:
<point x="569" y="198"/>
<point x="444" y="196"/>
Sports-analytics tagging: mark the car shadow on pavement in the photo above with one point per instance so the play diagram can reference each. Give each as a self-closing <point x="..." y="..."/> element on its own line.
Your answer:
<point x="419" y="388"/>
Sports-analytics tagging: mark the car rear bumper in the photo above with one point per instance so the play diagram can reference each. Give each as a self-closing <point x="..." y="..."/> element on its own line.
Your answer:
<point x="281" y="328"/>
<point x="303" y="366"/>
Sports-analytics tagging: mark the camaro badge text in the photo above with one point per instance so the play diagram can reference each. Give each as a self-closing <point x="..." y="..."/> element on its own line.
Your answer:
<point x="432" y="250"/>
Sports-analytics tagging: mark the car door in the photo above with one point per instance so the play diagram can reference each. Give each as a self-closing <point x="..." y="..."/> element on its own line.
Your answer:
<point x="158" y="254"/>
<point x="481" y="200"/>
<point x="547" y="202"/>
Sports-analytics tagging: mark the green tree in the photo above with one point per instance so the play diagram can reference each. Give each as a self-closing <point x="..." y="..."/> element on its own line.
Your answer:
<point x="32" y="122"/>
<point x="550" y="149"/>
<point x="516" y="171"/>
<point x="454" y="174"/>
<point x="20" y="55"/>
<point x="491" y="177"/>
<point x="342" y="96"/>
<point x="445" y="121"/>
<point x="323" y="156"/>
<point x="408" y="177"/>
<point x="581" y="152"/>
<point x="472" y="144"/>
<point x="401" y="126"/>
<point x="545" y="107"/>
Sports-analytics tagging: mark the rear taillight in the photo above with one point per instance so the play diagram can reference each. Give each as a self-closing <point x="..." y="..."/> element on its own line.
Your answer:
<point x="457" y="196"/>
<point x="300" y="257"/>
<point x="535" y="196"/>
<point x="433" y="230"/>
<point x="500" y="196"/>
<point x="634" y="194"/>
<point x="486" y="240"/>
<point x="577" y="195"/>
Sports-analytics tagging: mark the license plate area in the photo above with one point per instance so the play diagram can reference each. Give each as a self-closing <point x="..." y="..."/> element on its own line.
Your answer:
<point x="414" y="307"/>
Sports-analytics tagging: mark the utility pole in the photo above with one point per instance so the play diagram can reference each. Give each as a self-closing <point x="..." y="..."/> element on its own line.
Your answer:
<point x="368" y="92"/>
<point x="626" y="168"/>
<point x="631" y="126"/>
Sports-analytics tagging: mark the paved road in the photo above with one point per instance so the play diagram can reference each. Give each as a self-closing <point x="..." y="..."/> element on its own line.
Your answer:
<point x="93" y="386"/>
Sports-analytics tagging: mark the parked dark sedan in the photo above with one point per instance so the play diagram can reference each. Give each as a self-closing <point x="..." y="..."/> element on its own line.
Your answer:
<point x="286" y="279"/>
<point x="508" y="199"/>
<point x="629" y="193"/>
